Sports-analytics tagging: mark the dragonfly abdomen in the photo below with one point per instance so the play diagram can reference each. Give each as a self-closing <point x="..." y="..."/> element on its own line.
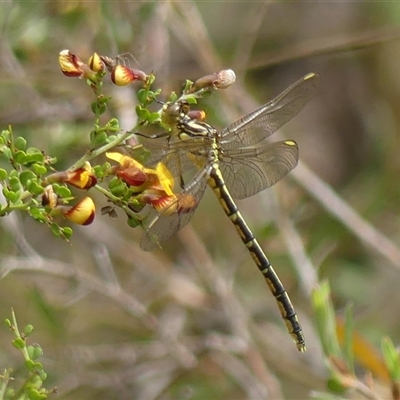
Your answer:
<point x="217" y="183"/>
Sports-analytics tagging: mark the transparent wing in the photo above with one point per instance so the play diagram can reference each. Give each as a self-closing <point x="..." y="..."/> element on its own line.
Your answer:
<point x="261" y="123"/>
<point x="248" y="171"/>
<point x="163" y="225"/>
<point x="180" y="156"/>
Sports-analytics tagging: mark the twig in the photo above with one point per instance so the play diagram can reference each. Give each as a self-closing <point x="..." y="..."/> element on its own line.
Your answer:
<point x="341" y="210"/>
<point x="124" y="300"/>
<point x="328" y="46"/>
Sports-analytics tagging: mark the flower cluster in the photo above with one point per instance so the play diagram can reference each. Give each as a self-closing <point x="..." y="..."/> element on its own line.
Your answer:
<point x="121" y="75"/>
<point x="151" y="186"/>
<point x="81" y="213"/>
<point x="32" y="183"/>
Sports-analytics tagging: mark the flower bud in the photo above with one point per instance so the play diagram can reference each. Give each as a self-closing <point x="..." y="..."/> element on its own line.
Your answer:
<point x="198" y="115"/>
<point x="225" y="78"/>
<point x="71" y="65"/>
<point x="217" y="80"/>
<point x="82" y="213"/>
<point x="82" y="178"/>
<point x="121" y="75"/>
<point x="96" y="63"/>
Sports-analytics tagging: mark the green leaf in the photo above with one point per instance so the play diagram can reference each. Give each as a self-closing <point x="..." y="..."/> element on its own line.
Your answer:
<point x="173" y="98"/>
<point x="113" y="125"/>
<point x="6" y="192"/>
<point x="34" y="157"/>
<point x="28" y="330"/>
<point x="117" y="187"/>
<point x="325" y="319"/>
<point x="62" y="191"/>
<point x="19" y="343"/>
<point x="142" y="96"/>
<point x="391" y="357"/>
<point x="35" y="382"/>
<point x="6" y="153"/>
<point x="56" y="229"/>
<point x="67" y="232"/>
<point x="34" y="351"/>
<point x="99" y="107"/>
<point x="14" y="183"/>
<point x="42" y="375"/>
<point x="39" y="169"/>
<point x="11" y="196"/>
<point x="20" y="157"/>
<point x="26" y="176"/>
<point x="51" y="160"/>
<point x="191" y="100"/>
<point x="3" y="174"/>
<point x="154" y="117"/>
<point x="30" y="365"/>
<point x="188" y="85"/>
<point x="20" y="143"/>
<point x="35" y="188"/>
<point x="142" y="113"/>
<point x="34" y="394"/>
<point x="38" y="213"/>
<point x="5" y="133"/>
<point x="98" y="171"/>
<point x="98" y="138"/>
<point x="15" y="193"/>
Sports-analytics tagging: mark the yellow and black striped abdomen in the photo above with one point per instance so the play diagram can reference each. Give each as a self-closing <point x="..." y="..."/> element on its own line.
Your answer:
<point x="216" y="182"/>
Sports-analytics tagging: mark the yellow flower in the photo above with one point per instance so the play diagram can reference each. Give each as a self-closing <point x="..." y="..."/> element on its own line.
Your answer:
<point x="121" y="75"/>
<point x="133" y="173"/>
<point x="71" y="65"/>
<point x="153" y="186"/>
<point x="96" y="63"/>
<point x="82" y="178"/>
<point x="82" y="213"/>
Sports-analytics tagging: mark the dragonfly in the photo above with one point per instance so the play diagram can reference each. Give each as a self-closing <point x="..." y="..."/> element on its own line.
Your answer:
<point x="236" y="162"/>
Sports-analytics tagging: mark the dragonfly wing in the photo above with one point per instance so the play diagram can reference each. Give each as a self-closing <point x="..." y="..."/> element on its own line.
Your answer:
<point x="163" y="225"/>
<point x="263" y="122"/>
<point x="248" y="171"/>
<point x="180" y="156"/>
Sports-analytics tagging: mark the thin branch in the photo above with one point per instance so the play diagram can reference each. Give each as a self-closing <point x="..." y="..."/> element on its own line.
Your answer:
<point x="240" y="372"/>
<point x="248" y="36"/>
<point x="326" y="46"/>
<point x="124" y="300"/>
<point x="341" y="210"/>
<point x="306" y="271"/>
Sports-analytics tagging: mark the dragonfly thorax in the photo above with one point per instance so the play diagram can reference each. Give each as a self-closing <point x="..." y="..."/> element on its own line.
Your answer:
<point x="191" y="128"/>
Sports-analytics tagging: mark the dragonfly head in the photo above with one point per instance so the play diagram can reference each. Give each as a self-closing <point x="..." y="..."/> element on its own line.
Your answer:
<point x="172" y="112"/>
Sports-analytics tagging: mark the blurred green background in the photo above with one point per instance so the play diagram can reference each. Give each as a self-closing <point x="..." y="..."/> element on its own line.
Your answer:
<point x="196" y="321"/>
